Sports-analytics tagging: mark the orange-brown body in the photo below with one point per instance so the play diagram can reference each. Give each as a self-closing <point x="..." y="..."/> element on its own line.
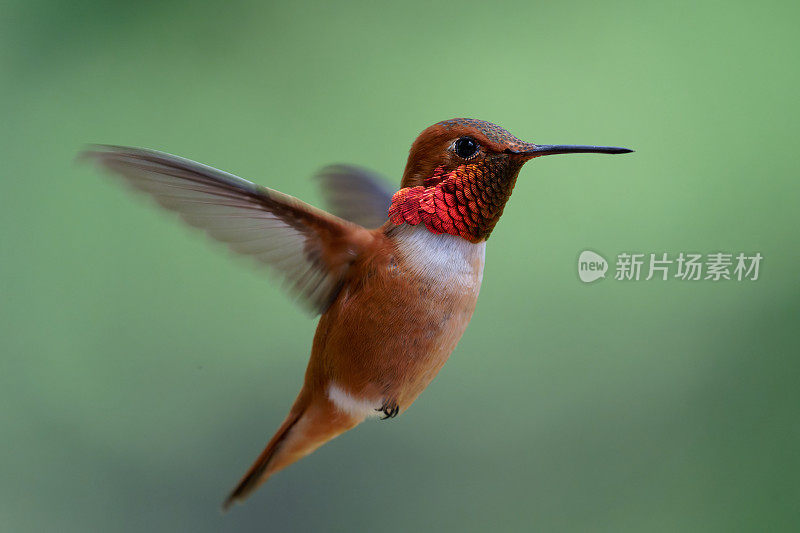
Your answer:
<point x="394" y="300"/>
<point x="384" y="338"/>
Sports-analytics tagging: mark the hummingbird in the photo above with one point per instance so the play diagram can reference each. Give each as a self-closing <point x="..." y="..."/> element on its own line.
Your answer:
<point x="394" y="275"/>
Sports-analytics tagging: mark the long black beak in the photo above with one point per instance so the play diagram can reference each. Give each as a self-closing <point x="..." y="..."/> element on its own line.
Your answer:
<point x="551" y="149"/>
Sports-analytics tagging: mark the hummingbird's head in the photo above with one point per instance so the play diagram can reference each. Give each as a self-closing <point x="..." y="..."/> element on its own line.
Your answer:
<point x="460" y="174"/>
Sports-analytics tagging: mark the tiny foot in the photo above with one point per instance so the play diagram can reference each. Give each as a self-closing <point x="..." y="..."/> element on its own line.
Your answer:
<point x="389" y="409"/>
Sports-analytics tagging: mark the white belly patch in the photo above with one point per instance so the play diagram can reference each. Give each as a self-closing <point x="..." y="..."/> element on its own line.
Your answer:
<point x="353" y="405"/>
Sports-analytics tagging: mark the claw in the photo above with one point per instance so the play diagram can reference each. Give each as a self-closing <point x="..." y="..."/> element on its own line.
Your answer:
<point x="389" y="410"/>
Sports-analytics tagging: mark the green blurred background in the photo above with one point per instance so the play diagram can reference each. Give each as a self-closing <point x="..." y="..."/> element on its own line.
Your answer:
<point x="143" y="368"/>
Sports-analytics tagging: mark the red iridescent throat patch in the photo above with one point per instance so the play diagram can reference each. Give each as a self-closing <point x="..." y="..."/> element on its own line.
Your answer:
<point x="466" y="201"/>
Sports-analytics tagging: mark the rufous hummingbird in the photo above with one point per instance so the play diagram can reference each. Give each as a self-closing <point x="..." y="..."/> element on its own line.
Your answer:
<point x="394" y="300"/>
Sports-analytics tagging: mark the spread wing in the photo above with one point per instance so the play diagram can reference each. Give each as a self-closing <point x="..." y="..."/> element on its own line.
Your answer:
<point x="309" y="247"/>
<point x="356" y="194"/>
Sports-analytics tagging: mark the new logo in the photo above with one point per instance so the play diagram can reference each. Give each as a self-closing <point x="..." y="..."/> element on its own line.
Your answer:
<point x="591" y="266"/>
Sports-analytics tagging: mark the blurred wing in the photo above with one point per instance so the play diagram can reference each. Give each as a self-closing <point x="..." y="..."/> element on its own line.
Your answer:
<point x="309" y="247"/>
<point x="356" y="194"/>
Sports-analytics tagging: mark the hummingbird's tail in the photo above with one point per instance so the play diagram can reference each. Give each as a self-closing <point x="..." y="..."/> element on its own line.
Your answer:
<point x="310" y="423"/>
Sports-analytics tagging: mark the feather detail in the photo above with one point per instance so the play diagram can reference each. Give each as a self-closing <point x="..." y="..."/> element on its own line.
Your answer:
<point x="310" y="248"/>
<point x="356" y="194"/>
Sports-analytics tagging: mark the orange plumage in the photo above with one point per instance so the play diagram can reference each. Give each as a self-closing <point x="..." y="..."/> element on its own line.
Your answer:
<point x="394" y="300"/>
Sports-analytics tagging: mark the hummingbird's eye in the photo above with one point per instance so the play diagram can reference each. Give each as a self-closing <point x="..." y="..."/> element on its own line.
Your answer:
<point x="466" y="147"/>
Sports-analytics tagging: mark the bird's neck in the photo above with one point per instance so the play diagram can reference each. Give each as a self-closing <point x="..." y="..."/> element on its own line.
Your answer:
<point x="466" y="202"/>
<point x="441" y="259"/>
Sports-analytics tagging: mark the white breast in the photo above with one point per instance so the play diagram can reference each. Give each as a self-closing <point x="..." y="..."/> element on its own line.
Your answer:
<point x="444" y="259"/>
